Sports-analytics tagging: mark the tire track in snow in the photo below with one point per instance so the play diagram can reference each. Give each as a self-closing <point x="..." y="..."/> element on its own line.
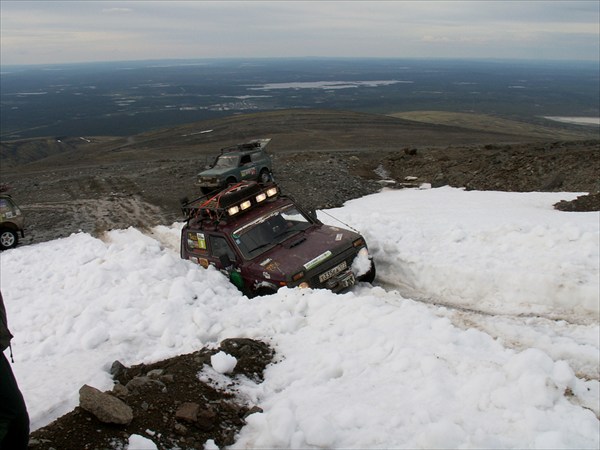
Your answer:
<point x="576" y="343"/>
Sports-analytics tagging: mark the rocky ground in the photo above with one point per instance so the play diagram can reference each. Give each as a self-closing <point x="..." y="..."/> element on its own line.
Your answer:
<point x="95" y="192"/>
<point x="165" y="402"/>
<point x="142" y="194"/>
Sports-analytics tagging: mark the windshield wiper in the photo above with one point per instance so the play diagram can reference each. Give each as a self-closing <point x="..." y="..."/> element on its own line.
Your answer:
<point x="298" y="242"/>
<point x="260" y="246"/>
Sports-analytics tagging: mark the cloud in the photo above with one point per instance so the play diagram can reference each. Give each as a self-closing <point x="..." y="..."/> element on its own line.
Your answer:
<point x="117" y="10"/>
<point x="197" y="29"/>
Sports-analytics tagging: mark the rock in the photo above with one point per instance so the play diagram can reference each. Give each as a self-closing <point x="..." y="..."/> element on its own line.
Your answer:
<point x="553" y="182"/>
<point x="155" y="374"/>
<point x="188" y="412"/>
<point x="117" y="369"/>
<point x="254" y="410"/>
<point x="206" y="420"/>
<point x="138" y="383"/>
<point x="180" y="429"/>
<point x="167" y="378"/>
<point x="439" y="181"/>
<point x="105" y="407"/>
<point x="120" y="391"/>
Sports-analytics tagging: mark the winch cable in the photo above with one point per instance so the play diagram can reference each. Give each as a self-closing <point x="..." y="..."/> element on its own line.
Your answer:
<point x="345" y="224"/>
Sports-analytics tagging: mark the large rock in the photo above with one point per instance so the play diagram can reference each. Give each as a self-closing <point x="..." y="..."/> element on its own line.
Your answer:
<point x="188" y="412"/>
<point x="105" y="407"/>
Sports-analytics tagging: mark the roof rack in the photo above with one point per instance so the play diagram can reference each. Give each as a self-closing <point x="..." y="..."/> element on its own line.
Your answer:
<point x="250" y="145"/>
<point x="228" y="202"/>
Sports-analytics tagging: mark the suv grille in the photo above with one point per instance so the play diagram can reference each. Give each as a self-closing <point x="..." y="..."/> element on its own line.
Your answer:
<point x="329" y="269"/>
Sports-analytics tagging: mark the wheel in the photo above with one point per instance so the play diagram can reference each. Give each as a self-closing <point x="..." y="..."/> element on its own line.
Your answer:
<point x="264" y="176"/>
<point x="263" y="291"/>
<point x="230" y="180"/>
<point x="206" y="190"/>
<point x="8" y="239"/>
<point x="370" y="275"/>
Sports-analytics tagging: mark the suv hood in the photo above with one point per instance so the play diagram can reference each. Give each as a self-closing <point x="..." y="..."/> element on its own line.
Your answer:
<point x="213" y="172"/>
<point x="305" y="251"/>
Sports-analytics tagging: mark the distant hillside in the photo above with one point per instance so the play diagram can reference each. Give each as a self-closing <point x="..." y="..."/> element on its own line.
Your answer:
<point x="483" y="122"/>
<point x="290" y="130"/>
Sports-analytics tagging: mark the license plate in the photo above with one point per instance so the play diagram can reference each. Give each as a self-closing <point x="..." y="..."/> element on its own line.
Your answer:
<point x="331" y="272"/>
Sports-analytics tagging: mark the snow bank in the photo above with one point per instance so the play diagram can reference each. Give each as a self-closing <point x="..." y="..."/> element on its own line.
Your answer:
<point x="369" y="368"/>
<point x="498" y="252"/>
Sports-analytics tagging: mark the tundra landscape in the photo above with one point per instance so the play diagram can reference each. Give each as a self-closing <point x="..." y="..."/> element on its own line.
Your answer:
<point x="80" y="185"/>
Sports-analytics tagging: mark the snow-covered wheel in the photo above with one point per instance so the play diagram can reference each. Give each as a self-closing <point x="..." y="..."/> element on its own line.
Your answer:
<point x="369" y="277"/>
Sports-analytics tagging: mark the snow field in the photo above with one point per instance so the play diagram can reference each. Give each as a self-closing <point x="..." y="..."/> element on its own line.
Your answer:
<point x="366" y="369"/>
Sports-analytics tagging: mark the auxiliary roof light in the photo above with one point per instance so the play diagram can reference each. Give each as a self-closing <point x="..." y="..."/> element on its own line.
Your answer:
<point x="245" y="205"/>
<point x="271" y="192"/>
<point x="233" y="210"/>
<point x="261" y="197"/>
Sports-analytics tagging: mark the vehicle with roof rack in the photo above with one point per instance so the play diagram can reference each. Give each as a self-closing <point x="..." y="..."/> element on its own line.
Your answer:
<point x="247" y="161"/>
<point x="263" y="240"/>
<point x="12" y="222"/>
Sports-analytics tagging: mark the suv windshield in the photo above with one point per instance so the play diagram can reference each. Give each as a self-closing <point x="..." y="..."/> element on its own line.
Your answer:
<point x="226" y="162"/>
<point x="270" y="230"/>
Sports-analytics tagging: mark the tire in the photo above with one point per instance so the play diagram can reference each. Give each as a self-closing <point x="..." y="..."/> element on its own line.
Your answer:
<point x="8" y="239"/>
<point x="263" y="291"/>
<point x="369" y="277"/>
<point x="230" y="180"/>
<point x="264" y="176"/>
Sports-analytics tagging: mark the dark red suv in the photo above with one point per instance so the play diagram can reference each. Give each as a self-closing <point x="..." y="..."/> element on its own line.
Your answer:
<point x="263" y="240"/>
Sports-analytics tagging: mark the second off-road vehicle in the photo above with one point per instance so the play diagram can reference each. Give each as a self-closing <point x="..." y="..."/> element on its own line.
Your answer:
<point x="264" y="240"/>
<point x="11" y="221"/>
<point x="248" y="161"/>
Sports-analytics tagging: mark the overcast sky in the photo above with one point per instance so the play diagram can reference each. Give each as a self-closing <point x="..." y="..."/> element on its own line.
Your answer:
<point x="76" y="31"/>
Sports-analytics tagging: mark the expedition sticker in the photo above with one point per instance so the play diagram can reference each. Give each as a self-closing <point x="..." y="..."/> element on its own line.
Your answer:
<point x="196" y="240"/>
<point x="248" y="172"/>
<point x="318" y="260"/>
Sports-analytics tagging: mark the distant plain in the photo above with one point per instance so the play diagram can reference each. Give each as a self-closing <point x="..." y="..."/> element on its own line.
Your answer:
<point x="128" y="98"/>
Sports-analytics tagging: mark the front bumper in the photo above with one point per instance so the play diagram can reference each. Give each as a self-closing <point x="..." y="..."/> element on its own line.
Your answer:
<point x="341" y="281"/>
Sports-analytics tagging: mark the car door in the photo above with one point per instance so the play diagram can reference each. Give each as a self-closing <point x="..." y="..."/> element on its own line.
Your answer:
<point x="224" y="258"/>
<point x="248" y="168"/>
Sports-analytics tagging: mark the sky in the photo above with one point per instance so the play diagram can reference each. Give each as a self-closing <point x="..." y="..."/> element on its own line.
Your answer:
<point x="481" y="329"/>
<point x="46" y="32"/>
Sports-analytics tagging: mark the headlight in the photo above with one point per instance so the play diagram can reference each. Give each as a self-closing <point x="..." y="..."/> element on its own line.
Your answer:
<point x="359" y="242"/>
<point x="303" y="285"/>
<point x="363" y="252"/>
